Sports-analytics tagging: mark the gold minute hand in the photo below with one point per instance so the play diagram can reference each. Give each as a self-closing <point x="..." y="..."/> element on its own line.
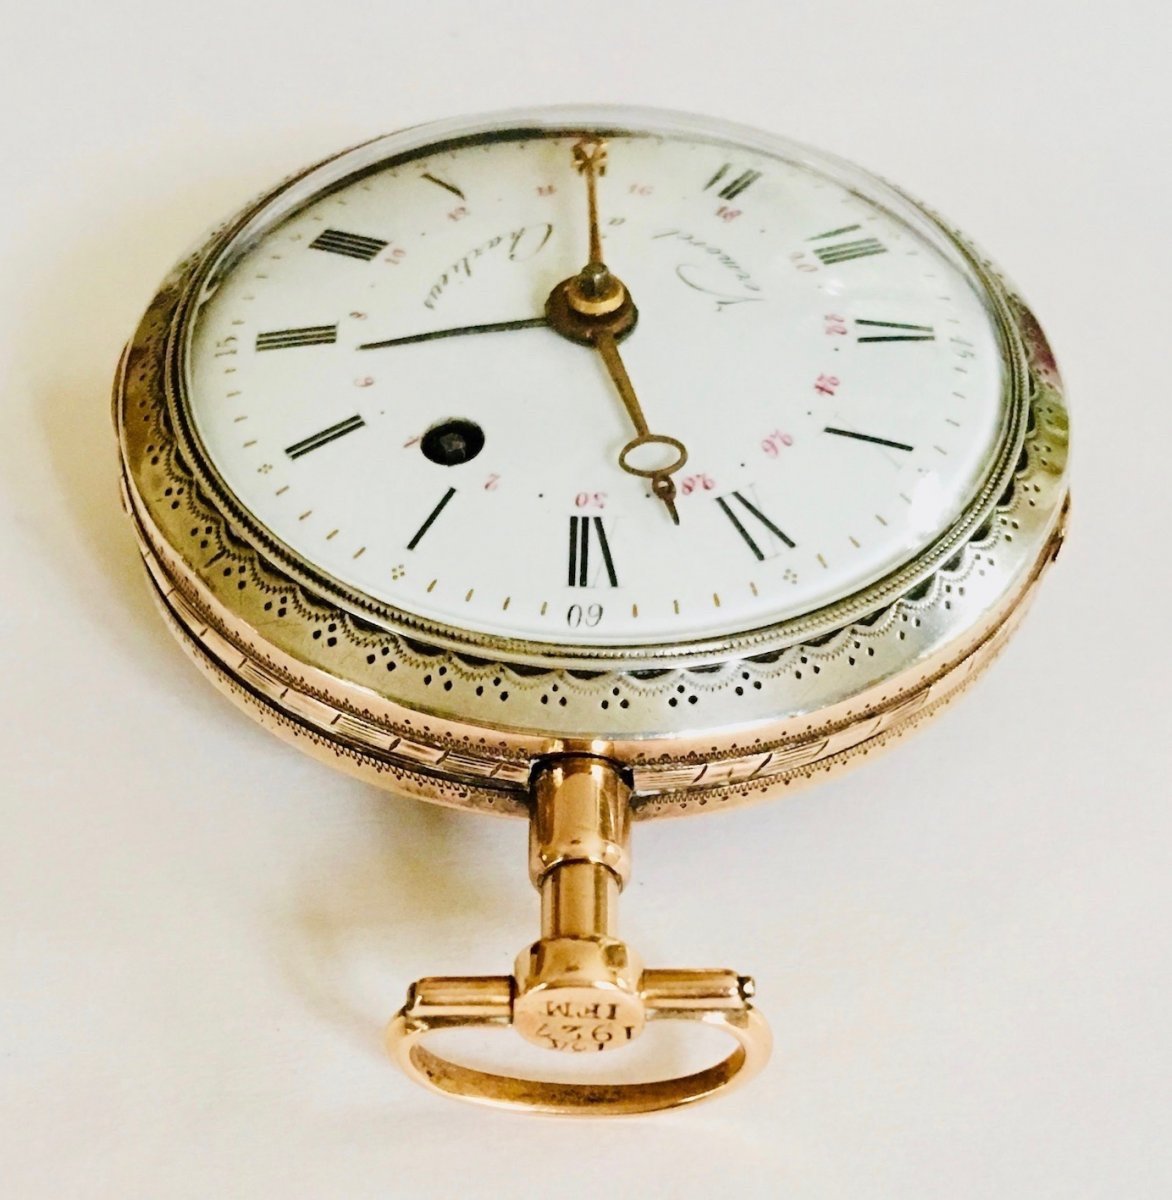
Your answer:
<point x="590" y="158"/>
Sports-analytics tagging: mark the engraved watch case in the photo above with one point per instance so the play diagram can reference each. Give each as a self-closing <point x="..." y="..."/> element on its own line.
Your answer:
<point x="579" y="738"/>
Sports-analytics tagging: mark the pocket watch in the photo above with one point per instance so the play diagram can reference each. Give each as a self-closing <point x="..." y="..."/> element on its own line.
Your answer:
<point x="589" y="465"/>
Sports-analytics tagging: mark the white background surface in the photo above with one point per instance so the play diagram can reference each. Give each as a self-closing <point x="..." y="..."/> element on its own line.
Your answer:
<point x="963" y="949"/>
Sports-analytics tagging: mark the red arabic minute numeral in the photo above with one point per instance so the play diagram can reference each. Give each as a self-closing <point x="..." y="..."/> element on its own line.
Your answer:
<point x="590" y="500"/>
<point x="774" y="443"/>
<point x="801" y="262"/>
<point x="546" y="189"/>
<point x="458" y="213"/>
<point x="727" y="213"/>
<point x="834" y="324"/>
<point x="395" y="255"/>
<point x="364" y="381"/>
<point x="640" y="189"/>
<point x="826" y="385"/>
<point x="696" y="483"/>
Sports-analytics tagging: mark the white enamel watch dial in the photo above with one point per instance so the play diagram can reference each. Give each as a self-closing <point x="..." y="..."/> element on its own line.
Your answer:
<point x="830" y="364"/>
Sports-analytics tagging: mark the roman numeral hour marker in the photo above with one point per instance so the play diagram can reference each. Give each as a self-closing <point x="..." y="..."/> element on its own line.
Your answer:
<point x="325" y="436"/>
<point x="448" y="187"/>
<point x="579" y="564"/>
<point x="732" y="506"/>
<point x="311" y="335"/>
<point x="867" y="437"/>
<point x="734" y="187"/>
<point x="430" y="519"/>
<point x="898" y="331"/>
<point x="352" y="245"/>
<point x="845" y="250"/>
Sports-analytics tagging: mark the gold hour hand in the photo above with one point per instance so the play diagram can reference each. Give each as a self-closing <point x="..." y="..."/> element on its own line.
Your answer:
<point x="659" y="472"/>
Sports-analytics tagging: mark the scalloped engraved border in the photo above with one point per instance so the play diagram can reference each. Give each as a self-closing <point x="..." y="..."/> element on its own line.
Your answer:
<point x="460" y="774"/>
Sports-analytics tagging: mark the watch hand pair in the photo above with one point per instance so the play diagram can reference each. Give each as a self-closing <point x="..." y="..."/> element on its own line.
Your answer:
<point x="595" y="309"/>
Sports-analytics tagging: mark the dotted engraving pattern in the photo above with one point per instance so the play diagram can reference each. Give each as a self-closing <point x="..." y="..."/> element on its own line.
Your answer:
<point x="665" y="786"/>
<point x="300" y="659"/>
